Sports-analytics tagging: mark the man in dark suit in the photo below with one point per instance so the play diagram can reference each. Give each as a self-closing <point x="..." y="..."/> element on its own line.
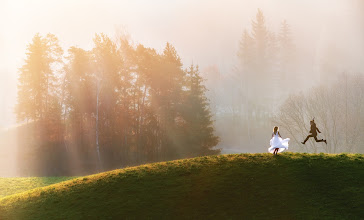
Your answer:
<point x="314" y="133"/>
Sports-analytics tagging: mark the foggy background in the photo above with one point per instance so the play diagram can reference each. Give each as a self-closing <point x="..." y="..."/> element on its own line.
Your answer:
<point x="203" y="32"/>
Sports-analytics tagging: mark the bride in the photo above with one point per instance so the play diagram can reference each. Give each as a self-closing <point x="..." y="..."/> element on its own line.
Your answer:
<point x="277" y="144"/>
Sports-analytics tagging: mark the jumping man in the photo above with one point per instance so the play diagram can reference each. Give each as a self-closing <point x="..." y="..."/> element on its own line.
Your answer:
<point x="313" y="133"/>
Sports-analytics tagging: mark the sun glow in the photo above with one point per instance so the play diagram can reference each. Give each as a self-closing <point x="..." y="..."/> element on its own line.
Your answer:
<point x="207" y="33"/>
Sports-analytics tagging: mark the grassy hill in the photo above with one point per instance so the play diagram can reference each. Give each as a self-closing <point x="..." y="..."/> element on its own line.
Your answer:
<point x="9" y="186"/>
<point x="240" y="186"/>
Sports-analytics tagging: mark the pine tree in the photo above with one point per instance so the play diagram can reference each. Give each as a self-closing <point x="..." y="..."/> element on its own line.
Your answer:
<point x="259" y="82"/>
<point x="166" y="97"/>
<point x="246" y="51"/>
<point x="246" y="56"/>
<point x="274" y="76"/>
<point x="39" y="104"/>
<point x="285" y="40"/>
<point x="38" y="82"/>
<point x="260" y="36"/>
<point x="286" y="54"/>
<point x="198" y="125"/>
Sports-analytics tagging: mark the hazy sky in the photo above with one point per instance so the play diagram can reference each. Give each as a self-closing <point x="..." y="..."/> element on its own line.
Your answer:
<point x="205" y="32"/>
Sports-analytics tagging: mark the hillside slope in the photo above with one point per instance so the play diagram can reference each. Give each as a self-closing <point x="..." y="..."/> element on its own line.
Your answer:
<point x="240" y="186"/>
<point x="13" y="185"/>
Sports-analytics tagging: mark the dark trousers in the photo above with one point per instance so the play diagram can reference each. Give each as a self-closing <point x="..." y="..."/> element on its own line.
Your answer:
<point x="314" y="136"/>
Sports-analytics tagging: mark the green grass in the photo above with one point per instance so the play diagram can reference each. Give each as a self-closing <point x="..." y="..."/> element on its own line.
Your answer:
<point x="240" y="186"/>
<point x="9" y="186"/>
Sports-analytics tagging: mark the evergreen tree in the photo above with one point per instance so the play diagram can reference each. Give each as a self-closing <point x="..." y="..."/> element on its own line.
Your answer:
<point x="260" y="36"/>
<point x="285" y="40"/>
<point x="246" y="56"/>
<point x="198" y="125"/>
<point x="246" y="71"/>
<point x="39" y="104"/>
<point x="246" y="52"/>
<point x="274" y="77"/>
<point x="169" y="100"/>
<point x="259" y="82"/>
<point x="287" y="56"/>
<point x="37" y="89"/>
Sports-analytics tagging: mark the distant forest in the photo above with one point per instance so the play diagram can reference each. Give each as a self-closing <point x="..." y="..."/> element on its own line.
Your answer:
<point x="113" y="106"/>
<point x="266" y="71"/>
<point x="272" y="84"/>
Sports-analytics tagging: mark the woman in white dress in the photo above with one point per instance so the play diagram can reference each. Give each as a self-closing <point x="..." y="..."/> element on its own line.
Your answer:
<point x="277" y="144"/>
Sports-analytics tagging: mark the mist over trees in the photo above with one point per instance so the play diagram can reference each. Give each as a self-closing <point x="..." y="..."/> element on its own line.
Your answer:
<point x="120" y="104"/>
<point x="113" y="106"/>
<point x="262" y="78"/>
<point x="265" y="89"/>
<point x="337" y="109"/>
<point x="266" y="61"/>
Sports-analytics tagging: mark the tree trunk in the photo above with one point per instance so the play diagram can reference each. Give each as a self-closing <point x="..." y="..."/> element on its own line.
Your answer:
<point x="97" y="126"/>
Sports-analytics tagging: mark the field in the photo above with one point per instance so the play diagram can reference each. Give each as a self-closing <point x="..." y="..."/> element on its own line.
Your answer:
<point x="9" y="186"/>
<point x="236" y="186"/>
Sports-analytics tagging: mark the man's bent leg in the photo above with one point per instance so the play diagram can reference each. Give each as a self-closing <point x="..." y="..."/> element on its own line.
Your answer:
<point x="322" y="140"/>
<point x="308" y="136"/>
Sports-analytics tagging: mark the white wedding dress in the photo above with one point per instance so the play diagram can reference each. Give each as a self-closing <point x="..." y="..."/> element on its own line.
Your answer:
<point x="278" y="142"/>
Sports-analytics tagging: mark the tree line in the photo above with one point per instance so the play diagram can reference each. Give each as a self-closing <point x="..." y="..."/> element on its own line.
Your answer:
<point x="115" y="105"/>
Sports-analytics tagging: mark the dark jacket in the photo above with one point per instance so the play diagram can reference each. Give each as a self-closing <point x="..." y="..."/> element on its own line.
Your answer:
<point x="314" y="129"/>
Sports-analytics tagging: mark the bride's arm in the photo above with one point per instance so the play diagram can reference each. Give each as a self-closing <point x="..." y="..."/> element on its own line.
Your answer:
<point x="279" y="134"/>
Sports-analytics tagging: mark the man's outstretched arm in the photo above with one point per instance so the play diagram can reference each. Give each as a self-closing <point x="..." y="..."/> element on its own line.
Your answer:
<point x="318" y="130"/>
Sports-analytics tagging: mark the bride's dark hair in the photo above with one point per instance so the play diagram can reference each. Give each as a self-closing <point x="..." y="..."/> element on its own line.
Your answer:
<point x="275" y="129"/>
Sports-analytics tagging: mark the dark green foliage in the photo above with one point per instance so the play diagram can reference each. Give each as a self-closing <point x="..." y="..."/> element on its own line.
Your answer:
<point x="199" y="131"/>
<point x="243" y="186"/>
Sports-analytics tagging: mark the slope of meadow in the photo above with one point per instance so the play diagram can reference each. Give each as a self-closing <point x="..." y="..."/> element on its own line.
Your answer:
<point x="236" y="186"/>
<point x="13" y="185"/>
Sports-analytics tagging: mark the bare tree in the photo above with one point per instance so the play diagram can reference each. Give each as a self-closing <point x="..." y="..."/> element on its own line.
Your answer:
<point x="338" y="110"/>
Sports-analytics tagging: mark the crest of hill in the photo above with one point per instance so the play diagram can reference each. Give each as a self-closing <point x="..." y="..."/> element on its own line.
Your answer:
<point x="249" y="186"/>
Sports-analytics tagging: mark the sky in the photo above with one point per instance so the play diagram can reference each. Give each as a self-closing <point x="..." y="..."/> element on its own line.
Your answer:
<point x="205" y="32"/>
